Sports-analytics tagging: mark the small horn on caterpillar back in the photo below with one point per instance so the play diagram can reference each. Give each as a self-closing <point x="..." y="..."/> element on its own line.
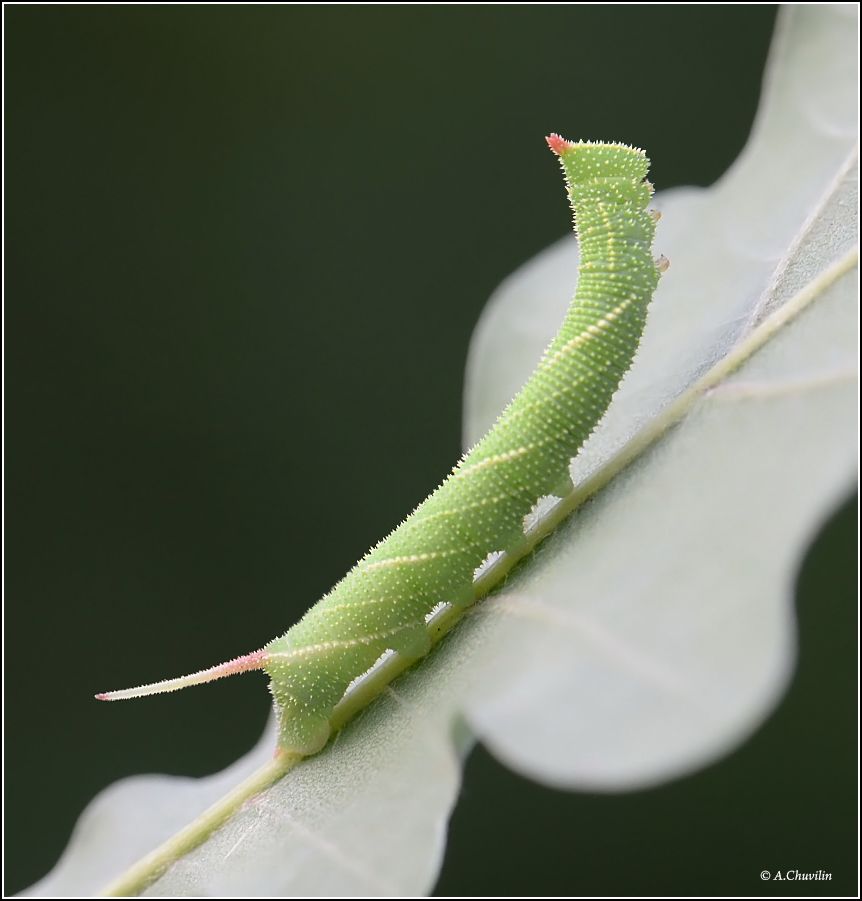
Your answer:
<point x="254" y="661"/>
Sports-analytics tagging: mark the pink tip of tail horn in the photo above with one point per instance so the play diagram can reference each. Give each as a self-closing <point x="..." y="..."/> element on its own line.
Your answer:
<point x="557" y="144"/>
<point x="255" y="660"/>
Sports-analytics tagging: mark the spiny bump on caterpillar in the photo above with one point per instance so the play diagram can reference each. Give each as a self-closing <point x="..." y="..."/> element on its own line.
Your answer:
<point x="384" y="601"/>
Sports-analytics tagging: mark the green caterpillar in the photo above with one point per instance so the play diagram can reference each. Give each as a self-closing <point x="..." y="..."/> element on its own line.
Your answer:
<point x="383" y="603"/>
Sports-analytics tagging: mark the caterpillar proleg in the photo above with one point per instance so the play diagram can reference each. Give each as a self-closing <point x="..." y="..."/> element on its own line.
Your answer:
<point x="383" y="602"/>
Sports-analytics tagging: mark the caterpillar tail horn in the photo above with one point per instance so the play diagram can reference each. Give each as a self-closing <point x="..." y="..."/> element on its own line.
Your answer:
<point x="254" y="661"/>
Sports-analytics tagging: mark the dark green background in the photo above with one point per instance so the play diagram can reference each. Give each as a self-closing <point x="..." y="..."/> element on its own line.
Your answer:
<point x="245" y="250"/>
